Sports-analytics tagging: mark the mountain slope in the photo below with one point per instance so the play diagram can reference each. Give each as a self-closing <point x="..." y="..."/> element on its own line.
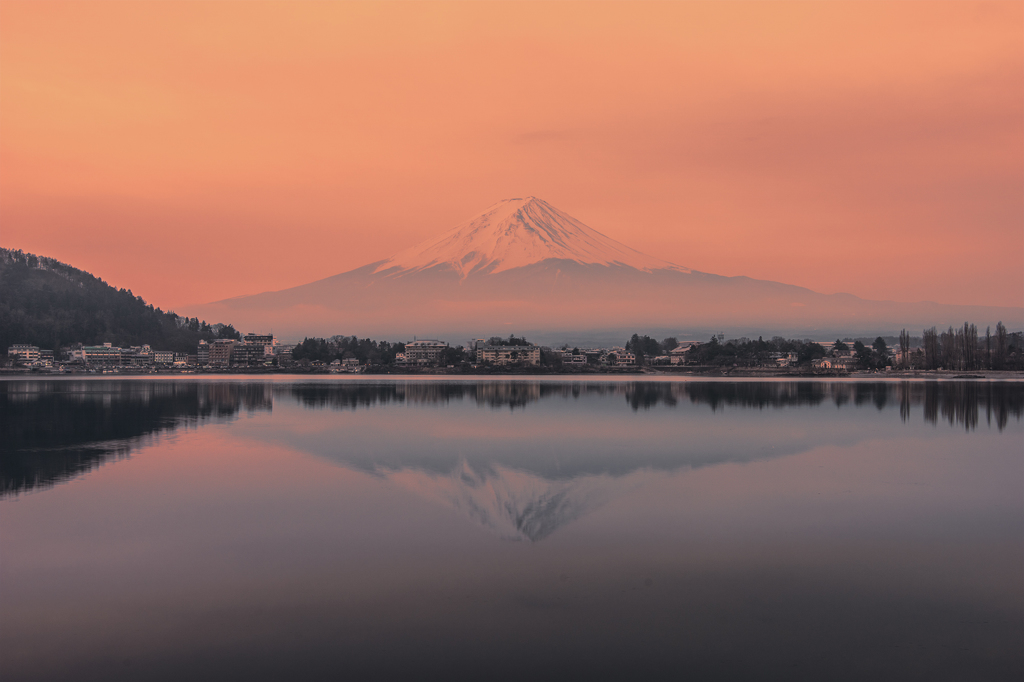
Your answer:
<point x="524" y="266"/>
<point x="51" y="304"/>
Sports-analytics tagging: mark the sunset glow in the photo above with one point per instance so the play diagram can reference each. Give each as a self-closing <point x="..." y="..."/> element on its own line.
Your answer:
<point x="198" y="151"/>
<point x="405" y="339"/>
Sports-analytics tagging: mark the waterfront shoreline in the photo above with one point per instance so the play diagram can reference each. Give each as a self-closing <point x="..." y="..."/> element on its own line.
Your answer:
<point x="606" y="373"/>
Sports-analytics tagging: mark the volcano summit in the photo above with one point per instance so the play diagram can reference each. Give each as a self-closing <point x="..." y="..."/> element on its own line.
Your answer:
<point x="524" y="266"/>
<point x="516" y="233"/>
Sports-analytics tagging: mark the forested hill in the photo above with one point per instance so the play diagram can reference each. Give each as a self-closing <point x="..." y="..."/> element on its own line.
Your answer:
<point x="51" y="304"/>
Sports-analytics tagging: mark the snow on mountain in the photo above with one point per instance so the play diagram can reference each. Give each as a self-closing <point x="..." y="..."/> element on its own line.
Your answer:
<point x="524" y="266"/>
<point x="512" y="504"/>
<point x="518" y="232"/>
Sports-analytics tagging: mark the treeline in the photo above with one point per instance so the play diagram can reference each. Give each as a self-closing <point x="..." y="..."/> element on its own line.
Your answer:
<point x="645" y="346"/>
<point x="742" y="352"/>
<point x="957" y="349"/>
<point x="964" y="349"/>
<point x="51" y="305"/>
<point x="367" y="351"/>
<point x="60" y="431"/>
<point x="512" y="340"/>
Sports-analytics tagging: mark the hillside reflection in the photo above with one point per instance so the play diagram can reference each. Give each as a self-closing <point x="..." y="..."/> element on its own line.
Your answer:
<point x="52" y="431"/>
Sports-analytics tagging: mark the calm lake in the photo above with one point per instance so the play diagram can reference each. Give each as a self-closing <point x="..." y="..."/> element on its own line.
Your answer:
<point x="510" y="529"/>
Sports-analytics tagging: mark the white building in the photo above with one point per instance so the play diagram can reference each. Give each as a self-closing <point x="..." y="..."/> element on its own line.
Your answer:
<point x="508" y="355"/>
<point x="677" y="356"/>
<point x="846" y="362"/>
<point x="618" y="356"/>
<point x="424" y="352"/>
<point x="784" y="359"/>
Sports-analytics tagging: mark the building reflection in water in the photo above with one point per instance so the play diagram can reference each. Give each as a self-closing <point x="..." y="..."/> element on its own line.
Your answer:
<point x="52" y="431"/>
<point x="956" y="402"/>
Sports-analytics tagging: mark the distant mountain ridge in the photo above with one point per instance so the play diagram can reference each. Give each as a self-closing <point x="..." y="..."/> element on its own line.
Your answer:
<point x="51" y="304"/>
<point x="524" y="266"/>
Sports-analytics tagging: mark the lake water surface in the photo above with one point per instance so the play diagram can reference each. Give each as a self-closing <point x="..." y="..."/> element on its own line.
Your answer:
<point x="214" y="529"/>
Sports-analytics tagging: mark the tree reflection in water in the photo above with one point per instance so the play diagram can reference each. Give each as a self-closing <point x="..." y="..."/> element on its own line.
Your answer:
<point x="52" y="431"/>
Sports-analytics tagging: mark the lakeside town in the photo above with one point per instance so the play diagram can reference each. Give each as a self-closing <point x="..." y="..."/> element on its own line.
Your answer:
<point x="955" y="350"/>
<point x="58" y="319"/>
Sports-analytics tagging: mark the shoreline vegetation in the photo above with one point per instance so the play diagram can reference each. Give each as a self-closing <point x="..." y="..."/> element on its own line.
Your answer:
<point x="957" y="353"/>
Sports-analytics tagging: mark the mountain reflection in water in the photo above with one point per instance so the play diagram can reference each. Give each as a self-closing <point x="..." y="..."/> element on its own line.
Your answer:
<point x="52" y="431"/>
<point x="525" y="488"/>
<point x="264" y="528"/>
<point x="512" y="504"/>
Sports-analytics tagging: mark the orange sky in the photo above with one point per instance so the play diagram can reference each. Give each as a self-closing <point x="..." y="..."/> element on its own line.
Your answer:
<point x="196" y="151"/>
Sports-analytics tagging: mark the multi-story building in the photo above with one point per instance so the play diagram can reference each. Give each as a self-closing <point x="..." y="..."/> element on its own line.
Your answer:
<point x="247" y="355"/>
<point x="618" y="356"/>
<point x="267" y="341"/>
<point x="203" y="353"/>
<point x="220" y="352"/>
<point x="137" y="356"/>
<point x="677" y="356"/>
<point x="508" y="355"/>
<point x="23" y="352"/>
<point x="163" y="357"/>
<point x="424" y="352"/>
<point x="259" y="339"/>
<point x="474" y="345"/>
<point x="106" y="355"/>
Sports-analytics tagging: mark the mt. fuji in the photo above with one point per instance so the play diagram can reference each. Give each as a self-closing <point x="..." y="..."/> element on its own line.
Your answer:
<point x="515" y="233"/>
<point x="524" y="266"/>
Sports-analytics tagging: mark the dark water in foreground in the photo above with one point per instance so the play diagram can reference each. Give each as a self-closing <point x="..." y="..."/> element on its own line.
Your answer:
<point x="347" y="529"/>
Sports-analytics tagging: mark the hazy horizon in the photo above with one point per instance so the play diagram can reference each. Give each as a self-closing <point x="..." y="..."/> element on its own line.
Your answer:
<point x="870" y="149"/>
<point x="524" y="264"/>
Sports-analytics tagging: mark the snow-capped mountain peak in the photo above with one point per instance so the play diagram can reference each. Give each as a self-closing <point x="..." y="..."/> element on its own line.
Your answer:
<point x="518" y="232"/>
